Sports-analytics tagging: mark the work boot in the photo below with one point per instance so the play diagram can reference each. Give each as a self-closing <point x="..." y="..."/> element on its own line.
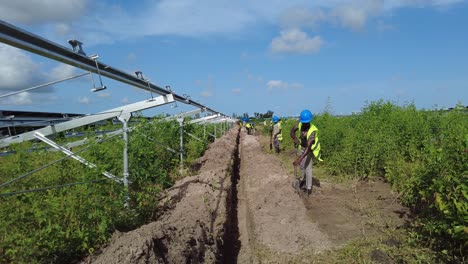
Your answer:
<point x="302" y="185"/>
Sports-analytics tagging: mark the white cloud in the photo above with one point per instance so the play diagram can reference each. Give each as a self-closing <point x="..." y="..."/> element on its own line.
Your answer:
<point x="199" y="18"/>
<point x="296" y="41"/>
<point x="83" y="19"/>
<point x="62" y="71"/>
<point x="276" y="84"/>
<point x="125" y="100"/>
<point x="300" y="17"/>
<point x="62" y="29"/>
<point x="17" y="70"/>
<point x="84" y="100"/>
<point x="356" y="14"/>
<point x="420" y="3"/>
<point x="282" y="85"/>
<point x="39" y="11"/>
<point x="24" y="98"/>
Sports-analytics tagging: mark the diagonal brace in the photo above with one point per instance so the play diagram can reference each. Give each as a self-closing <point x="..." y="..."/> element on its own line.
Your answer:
<point x="74" y="156"/>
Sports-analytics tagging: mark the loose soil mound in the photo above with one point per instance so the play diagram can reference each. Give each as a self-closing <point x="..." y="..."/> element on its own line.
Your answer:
<point x="195" y="221"/>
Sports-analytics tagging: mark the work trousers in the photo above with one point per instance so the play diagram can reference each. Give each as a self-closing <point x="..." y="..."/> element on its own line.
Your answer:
<point x="306" y="169"/>
<point x="276" y="143"/>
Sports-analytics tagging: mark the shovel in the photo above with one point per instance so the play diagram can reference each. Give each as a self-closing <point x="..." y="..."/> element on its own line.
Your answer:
<point x="271" y="144"/>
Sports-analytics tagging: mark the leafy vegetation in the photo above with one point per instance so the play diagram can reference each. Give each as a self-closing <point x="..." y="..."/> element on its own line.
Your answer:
<point x="59" y="224"/>
<point x="423" y="154"/>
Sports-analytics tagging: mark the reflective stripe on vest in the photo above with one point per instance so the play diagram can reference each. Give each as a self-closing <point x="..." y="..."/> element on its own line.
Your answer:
<point x="316" y="146"/>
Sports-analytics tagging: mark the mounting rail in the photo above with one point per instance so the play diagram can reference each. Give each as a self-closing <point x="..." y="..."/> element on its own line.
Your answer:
<point x="22" y="39"/>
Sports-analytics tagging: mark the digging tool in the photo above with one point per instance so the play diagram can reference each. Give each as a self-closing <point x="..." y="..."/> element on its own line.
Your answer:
<point x="296" y="183"/>
<point x="271" y="140"/>
<point x="295" y="167"/>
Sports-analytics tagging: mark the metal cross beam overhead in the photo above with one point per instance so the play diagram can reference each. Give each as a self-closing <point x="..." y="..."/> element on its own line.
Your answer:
<point x="22" y="39"/>
<point x="216" y="121"/>
<point x="185" y="114"/>
<point x="204" y="119"/>
<point x="85" y="120"/>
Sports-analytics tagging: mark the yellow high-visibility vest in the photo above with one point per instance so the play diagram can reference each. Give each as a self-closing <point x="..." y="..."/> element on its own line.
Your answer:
<point x="316" y="146"/>
<point x="280" y="135"/>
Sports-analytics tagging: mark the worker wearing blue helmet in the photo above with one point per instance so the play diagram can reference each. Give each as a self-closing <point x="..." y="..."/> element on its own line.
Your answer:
<point x="276" y="133"/>
<point x="309" y="145"/>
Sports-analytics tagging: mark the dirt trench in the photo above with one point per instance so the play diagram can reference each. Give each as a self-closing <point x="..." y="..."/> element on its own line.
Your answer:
<point x="197" y="220"/>
<point x="241" y="208"/>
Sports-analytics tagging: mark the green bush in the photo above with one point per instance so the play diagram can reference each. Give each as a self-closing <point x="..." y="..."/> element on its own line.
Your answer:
<point x="59" y="225"/>
<point x="423" y="154"/>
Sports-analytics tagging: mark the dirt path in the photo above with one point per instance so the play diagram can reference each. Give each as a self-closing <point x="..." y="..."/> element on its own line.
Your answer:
<point x="277" y="225"/>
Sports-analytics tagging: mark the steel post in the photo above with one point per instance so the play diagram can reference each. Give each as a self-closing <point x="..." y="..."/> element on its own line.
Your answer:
<point x="181" y="150"/>
<point x="124" y="119"/>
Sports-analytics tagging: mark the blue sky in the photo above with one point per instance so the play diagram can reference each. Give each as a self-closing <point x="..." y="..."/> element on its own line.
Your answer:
<point x="246" y="56"/>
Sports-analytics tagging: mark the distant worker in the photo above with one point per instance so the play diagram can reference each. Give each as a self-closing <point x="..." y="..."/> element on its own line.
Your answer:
<point x="309" y="142"/>
<point x="248" y="126"/>
<point x="276" y="133"/>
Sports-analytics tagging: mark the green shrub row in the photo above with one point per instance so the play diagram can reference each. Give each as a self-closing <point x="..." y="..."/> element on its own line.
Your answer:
<point x="423" y="154"/>
<point x="59" y="225"/>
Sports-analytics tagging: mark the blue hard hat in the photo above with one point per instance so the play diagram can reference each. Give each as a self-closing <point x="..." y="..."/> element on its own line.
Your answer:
<point x="306" y="116"/>
<point x="275" y="119"/>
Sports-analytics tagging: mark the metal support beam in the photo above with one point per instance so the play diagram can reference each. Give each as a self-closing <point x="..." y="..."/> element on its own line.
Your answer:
<point x="215" y="131"/>
<point x="185" y="114"/>
<point x="193" y="136"/>
<point x="124" y="119"/>
<point x="22" y="39"/>
<point x="181" y="150"/>
<point x="204" y="119"/>
<point x="74" y="156"/>
<point x="218" y="120"/>
<point x="89" y="119"/>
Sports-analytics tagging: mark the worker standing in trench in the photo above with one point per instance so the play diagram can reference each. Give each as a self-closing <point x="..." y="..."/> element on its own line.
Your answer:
<point x="309" y="142"/>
